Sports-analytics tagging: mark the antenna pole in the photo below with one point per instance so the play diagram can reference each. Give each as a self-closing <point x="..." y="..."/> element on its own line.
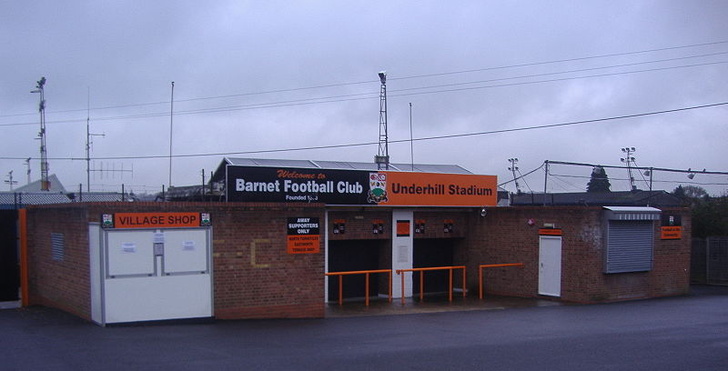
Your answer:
<point x="88" y="140"/>
<point x="412" y="149"/>
<point x="171" y="118"/>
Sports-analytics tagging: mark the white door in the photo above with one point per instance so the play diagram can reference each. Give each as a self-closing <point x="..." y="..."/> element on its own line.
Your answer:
<point x="549" y="265"/>
<point x="402" y="246"/>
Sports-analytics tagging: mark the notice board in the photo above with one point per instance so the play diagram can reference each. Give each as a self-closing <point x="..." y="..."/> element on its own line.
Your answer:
<point x="129" y="253"/>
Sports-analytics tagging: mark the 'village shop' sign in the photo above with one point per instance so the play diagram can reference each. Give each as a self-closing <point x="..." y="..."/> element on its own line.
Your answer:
<point x="155" y="220"/>
<point x="357" y="187"/>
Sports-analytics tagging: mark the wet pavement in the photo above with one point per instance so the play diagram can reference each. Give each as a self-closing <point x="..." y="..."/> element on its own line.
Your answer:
<point x="679" y="333"/>
<point x="432" y="304"/>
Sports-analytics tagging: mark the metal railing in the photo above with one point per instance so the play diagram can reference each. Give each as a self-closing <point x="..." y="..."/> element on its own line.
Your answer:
<point x="367" y="273"/>
<point x="422" y="280"/>
<point x="481" y="284"/>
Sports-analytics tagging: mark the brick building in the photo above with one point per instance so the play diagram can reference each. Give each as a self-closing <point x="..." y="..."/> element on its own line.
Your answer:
<point x="268" y="258"/>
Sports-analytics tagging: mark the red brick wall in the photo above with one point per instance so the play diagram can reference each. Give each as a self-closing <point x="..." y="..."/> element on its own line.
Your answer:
<point x="504" y="236"/>
<point x="272" y="284"/>
<point x="64" y="284"/>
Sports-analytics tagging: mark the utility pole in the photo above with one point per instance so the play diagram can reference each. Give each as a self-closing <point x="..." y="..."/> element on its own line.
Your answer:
<point x="44" y="182"/>
<point x="629" y="160"/>
<point x="382" y="157"/>
<point x="513" y="168"/>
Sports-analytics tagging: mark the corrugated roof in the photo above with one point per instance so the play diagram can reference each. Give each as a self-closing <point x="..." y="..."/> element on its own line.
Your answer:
<point x="268" y="162"/>
<point x="102" y="197"/>
<point x="346" y="165"/>
<point x="10" y="200"/>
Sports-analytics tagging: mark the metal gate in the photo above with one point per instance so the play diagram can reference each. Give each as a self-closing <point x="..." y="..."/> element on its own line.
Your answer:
<point x="709" y="261"/>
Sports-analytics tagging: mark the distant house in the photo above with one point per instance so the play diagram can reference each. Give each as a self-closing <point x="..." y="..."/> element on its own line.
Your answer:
<point x="55" y="186"/>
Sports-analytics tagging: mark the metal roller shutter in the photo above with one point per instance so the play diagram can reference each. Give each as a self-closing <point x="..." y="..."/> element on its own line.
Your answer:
<point x="629" y="246"/>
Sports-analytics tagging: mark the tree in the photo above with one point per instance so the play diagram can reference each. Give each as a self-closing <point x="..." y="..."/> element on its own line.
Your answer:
<point x="709" y="214"/>
<point x="690" y="191"/>
<point x="710" y="217"/>
<point x="599" y="181"/>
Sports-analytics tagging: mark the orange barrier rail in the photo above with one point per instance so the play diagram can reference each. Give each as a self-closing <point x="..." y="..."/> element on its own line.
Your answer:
<point x="366" y="285"/>
<point x="422" y="281"/>
<point x="480" y="273"/>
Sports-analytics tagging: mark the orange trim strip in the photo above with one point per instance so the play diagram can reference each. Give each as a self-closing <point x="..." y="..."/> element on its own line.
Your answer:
<point x="550" y="232"/>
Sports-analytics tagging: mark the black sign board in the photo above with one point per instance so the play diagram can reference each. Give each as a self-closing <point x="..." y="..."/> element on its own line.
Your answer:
<point x="263" y="184"/>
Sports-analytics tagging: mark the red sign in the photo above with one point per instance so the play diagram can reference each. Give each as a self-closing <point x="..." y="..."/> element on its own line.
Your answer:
<point x="156" y="220"/>
<point x="670" y="233"/>
<point x="403" y="228"/>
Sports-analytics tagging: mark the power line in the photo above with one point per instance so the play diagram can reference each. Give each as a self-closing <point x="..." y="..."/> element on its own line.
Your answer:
<point x="363" y="96"/>
<point x="588" y="69"/>
<point x="437" y="137"/>
<point x="531" y="64"/>
<point x="520" y="65"/>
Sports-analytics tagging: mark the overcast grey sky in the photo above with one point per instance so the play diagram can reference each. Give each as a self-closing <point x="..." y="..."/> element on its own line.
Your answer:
<point x="255" y="77"/>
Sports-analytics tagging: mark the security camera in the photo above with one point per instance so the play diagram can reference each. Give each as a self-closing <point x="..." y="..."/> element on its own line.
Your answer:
<point x="483" y="212"/>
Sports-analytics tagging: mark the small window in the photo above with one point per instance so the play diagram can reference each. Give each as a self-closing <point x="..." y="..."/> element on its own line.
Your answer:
<point x="57" y="246"/>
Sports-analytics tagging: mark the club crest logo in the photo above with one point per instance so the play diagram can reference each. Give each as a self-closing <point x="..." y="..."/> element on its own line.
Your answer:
<point x="377" y="188"/>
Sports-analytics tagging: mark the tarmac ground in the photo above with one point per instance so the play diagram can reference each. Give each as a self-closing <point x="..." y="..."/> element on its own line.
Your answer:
<point x="677" y="333"/>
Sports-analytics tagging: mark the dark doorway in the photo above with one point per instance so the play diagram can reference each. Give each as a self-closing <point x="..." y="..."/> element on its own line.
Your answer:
<point x="354" y="255"/>
<point x="432" y="253"/>
<point x="9" y="269"/>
